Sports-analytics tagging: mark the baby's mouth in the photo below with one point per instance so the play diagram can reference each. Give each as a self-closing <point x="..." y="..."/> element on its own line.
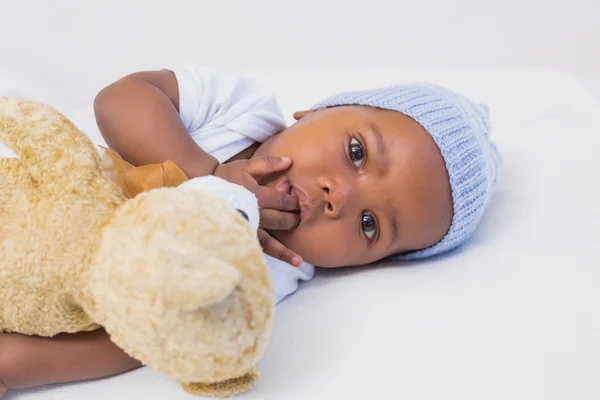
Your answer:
<point x="302" y="199"/>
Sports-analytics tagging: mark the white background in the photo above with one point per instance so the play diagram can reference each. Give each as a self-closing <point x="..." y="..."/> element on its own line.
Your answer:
<point x="113" y="37"/>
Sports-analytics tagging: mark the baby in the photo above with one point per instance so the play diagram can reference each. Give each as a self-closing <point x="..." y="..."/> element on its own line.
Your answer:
<point x="402" y="172"/>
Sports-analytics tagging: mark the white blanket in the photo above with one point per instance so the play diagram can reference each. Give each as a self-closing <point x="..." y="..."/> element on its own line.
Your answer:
<point x="513" y="315"/>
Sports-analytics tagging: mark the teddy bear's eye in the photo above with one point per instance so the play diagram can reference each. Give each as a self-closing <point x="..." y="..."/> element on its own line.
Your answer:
<point x="244" y="214"/>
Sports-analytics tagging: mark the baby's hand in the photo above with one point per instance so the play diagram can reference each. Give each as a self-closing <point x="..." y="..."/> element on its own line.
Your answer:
<point x="275" y="207"/>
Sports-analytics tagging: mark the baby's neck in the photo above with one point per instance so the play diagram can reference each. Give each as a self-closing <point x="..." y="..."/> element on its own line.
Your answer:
<point x="245" y="154"/>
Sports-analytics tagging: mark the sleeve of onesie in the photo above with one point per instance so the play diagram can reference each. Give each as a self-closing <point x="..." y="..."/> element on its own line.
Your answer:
<point x="227" y="101"/>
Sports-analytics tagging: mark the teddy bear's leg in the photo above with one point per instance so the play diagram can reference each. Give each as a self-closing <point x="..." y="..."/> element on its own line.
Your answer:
<point x="228" y="388"/>
<point x="46" y="141"/>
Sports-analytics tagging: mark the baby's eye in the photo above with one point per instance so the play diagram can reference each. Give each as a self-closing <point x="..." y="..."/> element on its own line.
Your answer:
<point x="368" y="225"/>
<point x="357" y="152"/>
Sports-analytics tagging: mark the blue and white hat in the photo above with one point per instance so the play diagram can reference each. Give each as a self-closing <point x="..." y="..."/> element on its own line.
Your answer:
<point x="461" y="130"/>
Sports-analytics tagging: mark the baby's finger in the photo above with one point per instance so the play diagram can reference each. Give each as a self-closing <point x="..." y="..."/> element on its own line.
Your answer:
<point x="273" y="219"/>
<point x="261" y="166"/>
<point x="275" y="249"/>
<point x="271" y="198"/>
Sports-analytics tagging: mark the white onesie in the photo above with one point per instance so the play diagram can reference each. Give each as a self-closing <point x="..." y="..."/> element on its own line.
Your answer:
<point x="225" y="114"/>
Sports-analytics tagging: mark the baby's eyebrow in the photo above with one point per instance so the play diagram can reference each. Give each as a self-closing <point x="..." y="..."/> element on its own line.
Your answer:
<point x="378" y="139"/>
<point x="394" y="225"/>
<point x="381" y="152"/>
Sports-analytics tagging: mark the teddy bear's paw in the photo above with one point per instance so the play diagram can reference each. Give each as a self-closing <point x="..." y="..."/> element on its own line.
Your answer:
<point x="228" y="388"/>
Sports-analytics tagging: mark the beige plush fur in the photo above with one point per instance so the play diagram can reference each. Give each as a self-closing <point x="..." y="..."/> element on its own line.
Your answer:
<point x="175" y="276"/>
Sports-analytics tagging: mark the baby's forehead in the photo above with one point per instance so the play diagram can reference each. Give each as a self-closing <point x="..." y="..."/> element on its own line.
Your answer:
<point x="391" y="125"/>
<point x="364" y="114"/>
<point x="388" y="134"/>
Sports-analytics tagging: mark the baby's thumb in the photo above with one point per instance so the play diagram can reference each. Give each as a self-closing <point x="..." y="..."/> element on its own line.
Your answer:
<point x="262" y="166"/>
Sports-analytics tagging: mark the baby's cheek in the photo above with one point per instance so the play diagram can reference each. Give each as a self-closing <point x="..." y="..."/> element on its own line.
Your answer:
<point x="325" y="245"/>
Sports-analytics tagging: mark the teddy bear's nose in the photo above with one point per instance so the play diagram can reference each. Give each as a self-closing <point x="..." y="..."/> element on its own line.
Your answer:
<point x="243" y="214"/>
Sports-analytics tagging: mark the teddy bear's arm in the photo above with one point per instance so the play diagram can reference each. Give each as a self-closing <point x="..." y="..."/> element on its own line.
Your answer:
<point x="45" y="140"/>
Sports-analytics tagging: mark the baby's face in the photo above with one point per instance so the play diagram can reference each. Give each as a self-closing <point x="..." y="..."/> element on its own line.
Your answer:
<point x="370" y="182"/>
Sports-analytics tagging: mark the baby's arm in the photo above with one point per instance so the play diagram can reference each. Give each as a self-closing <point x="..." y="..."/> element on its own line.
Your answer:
<point x="27" y="361"/>
<point x="138" y="117"/>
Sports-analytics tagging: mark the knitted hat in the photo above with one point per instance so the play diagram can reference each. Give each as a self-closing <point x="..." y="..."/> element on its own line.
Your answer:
<point x="461" y="130"/>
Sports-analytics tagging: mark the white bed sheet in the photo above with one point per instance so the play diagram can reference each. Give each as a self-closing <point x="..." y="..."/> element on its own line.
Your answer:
<point x="512" y="315"/>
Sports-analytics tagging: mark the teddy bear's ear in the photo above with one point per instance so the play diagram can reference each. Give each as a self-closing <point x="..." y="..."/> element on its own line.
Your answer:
<point x="227" y="388"/>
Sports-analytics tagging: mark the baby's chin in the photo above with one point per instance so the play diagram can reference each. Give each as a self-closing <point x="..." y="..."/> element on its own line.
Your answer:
<point x="297" y="241"/>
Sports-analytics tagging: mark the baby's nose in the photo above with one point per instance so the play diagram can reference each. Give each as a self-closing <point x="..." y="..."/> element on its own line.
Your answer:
<point x="337" y="195"/>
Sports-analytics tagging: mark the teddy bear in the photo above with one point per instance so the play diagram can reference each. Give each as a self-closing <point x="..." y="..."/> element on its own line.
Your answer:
<point x="175" y="275"/>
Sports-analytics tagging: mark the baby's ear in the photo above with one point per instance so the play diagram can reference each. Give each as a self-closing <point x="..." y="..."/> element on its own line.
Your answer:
<point x="301" y="114"/>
